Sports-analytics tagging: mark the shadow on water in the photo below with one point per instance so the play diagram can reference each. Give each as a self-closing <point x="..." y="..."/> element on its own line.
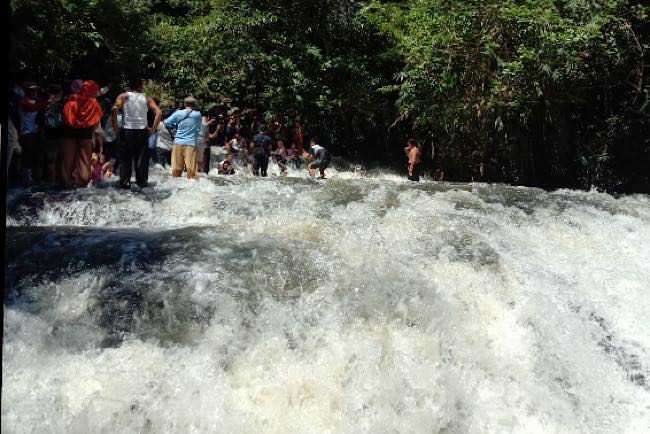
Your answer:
<point x="160" y="285"/>
<point x="27" y="206"/>
<point x="622" y="352"/>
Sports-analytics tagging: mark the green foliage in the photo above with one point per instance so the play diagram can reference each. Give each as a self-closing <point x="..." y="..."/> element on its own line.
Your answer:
<point x="320" y="61"/>
<point x="58" y="40"/>
<point x="543" y="88"/>
<point x="545" y="92"/>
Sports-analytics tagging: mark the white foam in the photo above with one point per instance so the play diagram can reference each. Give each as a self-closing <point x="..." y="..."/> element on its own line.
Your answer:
<point x="353" y="305"/>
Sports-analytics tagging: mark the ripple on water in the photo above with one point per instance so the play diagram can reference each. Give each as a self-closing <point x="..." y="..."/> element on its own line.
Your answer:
<point x="370" y="305"/>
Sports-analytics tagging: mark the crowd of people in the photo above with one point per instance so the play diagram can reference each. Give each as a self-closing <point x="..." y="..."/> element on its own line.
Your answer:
<point x="83" y="137"/>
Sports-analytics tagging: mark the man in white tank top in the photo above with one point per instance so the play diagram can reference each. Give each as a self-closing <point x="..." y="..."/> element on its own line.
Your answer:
<point x="134" y="132"/>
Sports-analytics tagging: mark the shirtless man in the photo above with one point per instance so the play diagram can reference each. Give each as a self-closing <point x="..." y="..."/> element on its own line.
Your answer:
<point x="414" y="155"/>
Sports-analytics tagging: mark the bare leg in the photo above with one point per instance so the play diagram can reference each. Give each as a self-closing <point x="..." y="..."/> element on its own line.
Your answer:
<point x="98" y="142"/>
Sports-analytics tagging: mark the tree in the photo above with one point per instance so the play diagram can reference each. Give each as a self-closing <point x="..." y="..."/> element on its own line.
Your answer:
<point x="320" y="61"/>
<point x="59" y="40"/>
<point x="546" y="90"/>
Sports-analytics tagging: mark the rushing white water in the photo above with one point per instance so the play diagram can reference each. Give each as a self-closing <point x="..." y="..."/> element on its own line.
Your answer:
<point x="346" y="305"/>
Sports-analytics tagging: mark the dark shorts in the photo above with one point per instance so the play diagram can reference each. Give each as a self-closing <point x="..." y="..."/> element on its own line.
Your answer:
<point x="32" y="150"/>
<point x="52" y="150"/>
<point x="53" y="133"/>
<point x="53" y="143"/>
<point x="261" y="156"/>
<point x="77" y="133"/>
<point x="416" y="173"/>
<point x="321" y="163"/>
<point x="110" y="149"/>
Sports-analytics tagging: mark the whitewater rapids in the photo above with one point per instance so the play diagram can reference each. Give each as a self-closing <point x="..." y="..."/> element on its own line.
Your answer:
<point x="355" y="304"/>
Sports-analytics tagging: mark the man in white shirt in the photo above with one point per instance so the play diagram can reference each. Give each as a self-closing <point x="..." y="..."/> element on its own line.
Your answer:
<point x="134" y="104"/>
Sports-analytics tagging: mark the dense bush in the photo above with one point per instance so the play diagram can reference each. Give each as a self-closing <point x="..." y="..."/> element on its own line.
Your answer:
<point x="547" y="92"/>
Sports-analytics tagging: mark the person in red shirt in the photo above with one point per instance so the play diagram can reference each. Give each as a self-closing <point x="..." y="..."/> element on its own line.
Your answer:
<point x="299" y="137"/>
<point x="81" y="115"/>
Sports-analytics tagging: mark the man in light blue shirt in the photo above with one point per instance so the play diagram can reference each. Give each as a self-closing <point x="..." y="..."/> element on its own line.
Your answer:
<point x="187" y="123"/>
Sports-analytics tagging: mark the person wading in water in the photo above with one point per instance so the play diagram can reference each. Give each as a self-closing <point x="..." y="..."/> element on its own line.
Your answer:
<point x="134" y="131"/>
<point x="188" y="124"/>
<point x="81" y="114"/>
<point x="321" y="158"/>
<point x="261" y="141"/>
<point x="414" y="155"/>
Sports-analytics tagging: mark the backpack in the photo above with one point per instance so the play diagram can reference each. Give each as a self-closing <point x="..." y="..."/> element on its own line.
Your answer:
<point x="165" y="138"/>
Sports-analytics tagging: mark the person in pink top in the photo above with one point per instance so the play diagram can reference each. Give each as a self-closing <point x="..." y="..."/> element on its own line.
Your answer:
<point x="95" y="169"/>
<point x="280" y="155"/>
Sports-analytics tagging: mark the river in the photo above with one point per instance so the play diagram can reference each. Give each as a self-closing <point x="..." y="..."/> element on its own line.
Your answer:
<point x="355" y="304"/>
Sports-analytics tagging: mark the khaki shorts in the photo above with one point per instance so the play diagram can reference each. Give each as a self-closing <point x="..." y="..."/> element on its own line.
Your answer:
<point x="184" y="155"/>
<point x="200" y="152"/>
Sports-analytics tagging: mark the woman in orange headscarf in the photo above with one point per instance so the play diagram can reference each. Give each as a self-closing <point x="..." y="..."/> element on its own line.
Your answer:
<point x="81" y="114"/>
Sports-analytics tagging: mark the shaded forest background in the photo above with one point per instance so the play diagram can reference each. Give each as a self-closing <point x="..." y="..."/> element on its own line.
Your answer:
<point x="549" y="93"/>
